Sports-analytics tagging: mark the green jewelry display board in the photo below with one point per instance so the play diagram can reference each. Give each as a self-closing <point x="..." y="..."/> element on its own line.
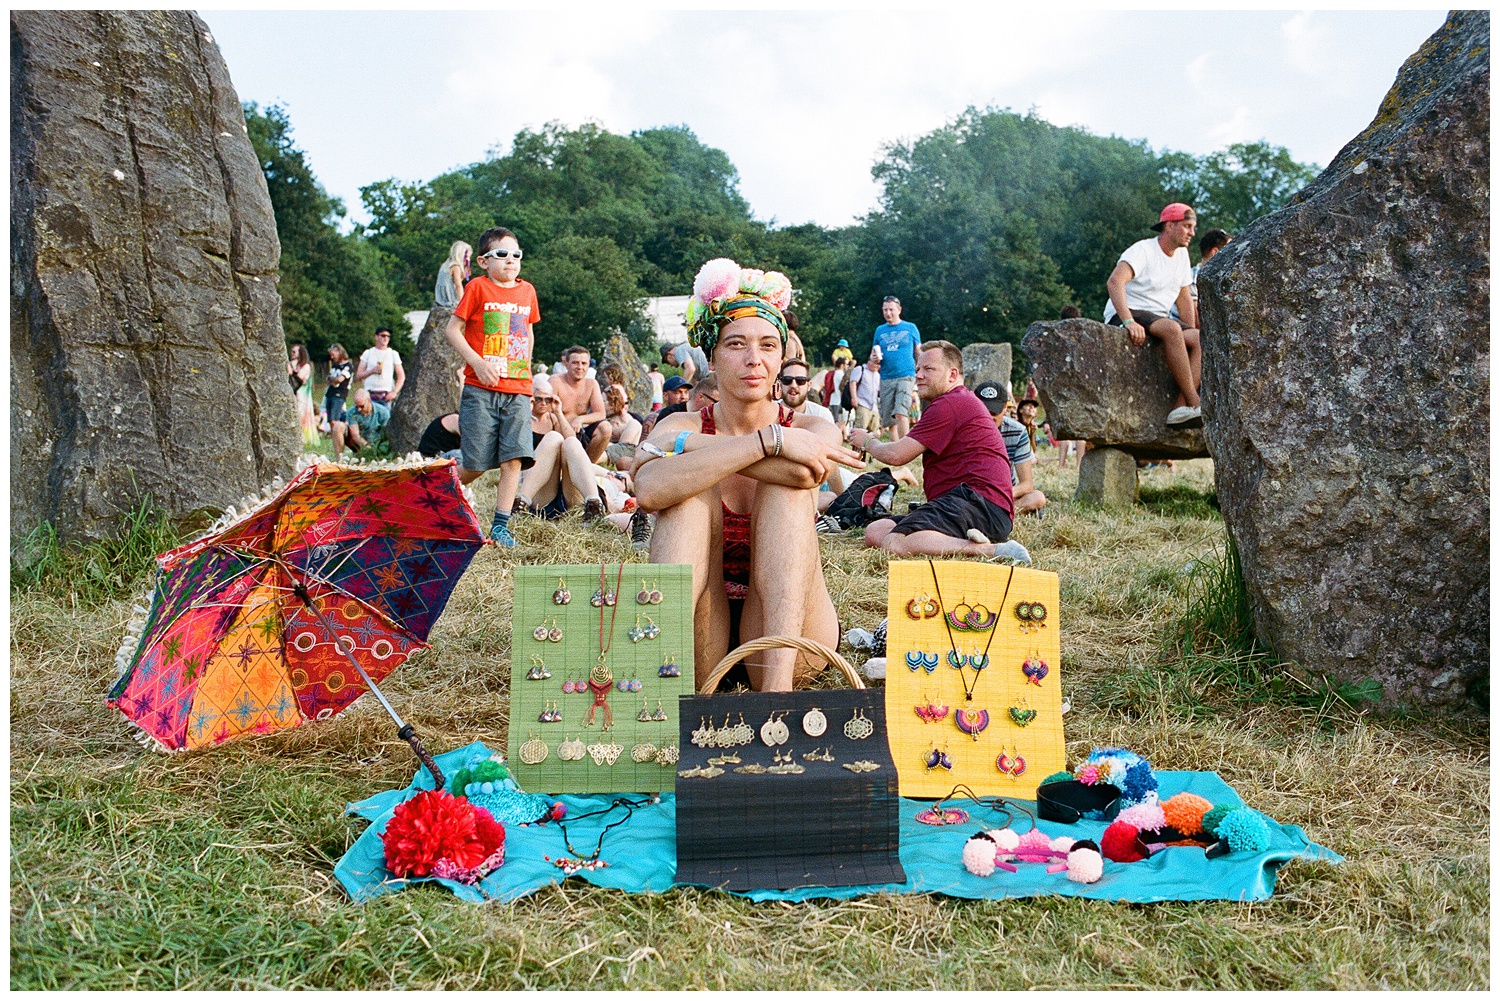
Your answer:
<point x="582" y="723"/>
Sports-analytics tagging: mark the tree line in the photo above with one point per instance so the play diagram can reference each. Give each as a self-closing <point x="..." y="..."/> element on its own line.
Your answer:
<point x="993" y="221"/>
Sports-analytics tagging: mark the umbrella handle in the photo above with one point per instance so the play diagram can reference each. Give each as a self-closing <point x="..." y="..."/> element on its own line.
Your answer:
<point x="409" y="735"/>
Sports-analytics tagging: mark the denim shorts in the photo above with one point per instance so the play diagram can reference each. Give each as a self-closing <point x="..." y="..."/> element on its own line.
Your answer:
<point x="494" y="428"/>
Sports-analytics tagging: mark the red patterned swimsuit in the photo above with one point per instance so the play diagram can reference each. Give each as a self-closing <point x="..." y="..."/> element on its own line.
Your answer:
<point x="737" y="526"/>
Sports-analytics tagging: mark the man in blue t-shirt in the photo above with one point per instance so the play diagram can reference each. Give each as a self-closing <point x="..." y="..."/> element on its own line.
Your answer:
<point x="898" y="340"/>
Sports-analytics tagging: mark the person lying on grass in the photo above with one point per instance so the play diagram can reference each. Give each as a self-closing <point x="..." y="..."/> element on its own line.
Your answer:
<point x="734" y="486"/>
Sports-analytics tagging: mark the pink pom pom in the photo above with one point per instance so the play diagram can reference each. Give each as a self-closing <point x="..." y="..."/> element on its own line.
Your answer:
<point x="979" y="856"/>
<point x="1033" y="841"/>
<point x="776" y="288"/>
<point x="1085" y="866"/>
<point x="1144" y="817"/>
<point x="1062" y="843"/>
<point x="717" y="279"/>
<point x="1088" y="774"/>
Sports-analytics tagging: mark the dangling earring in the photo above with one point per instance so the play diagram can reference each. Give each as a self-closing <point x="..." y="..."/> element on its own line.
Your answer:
<point x="562" y="595"/>
<point x="555" y="633"/>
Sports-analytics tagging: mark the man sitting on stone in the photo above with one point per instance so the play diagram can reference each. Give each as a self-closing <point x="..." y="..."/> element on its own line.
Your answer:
<point x="1151" y="276"/>
<point x="362" y="426"/>
<point x="734" y="486"/>
<point x="965" y="472"/>
<point x="1025" y="496"/>
<point x="582" y="401"/>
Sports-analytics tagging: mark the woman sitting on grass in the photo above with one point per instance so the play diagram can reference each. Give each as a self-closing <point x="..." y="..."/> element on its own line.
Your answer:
<point x="735" y="485"/>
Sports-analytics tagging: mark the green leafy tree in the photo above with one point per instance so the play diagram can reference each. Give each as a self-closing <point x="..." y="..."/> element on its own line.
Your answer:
<point x="333" y="286"/>
<point x="1232" y="188"/>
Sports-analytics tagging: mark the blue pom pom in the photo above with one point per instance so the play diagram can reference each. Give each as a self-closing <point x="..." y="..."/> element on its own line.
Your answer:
<point x="487" y="787"/>
<point x="1138" y="781"/>
<point x="1246" y="830"/>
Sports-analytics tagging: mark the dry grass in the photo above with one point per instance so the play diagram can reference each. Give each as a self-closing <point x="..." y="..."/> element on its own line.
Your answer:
<point x="131" y="869"/>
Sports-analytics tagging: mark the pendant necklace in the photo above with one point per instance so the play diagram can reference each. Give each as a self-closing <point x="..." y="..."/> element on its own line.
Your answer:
<point x="601" y="678"/>
<point x="981" y="662"/>
<point x="592" y="860"/>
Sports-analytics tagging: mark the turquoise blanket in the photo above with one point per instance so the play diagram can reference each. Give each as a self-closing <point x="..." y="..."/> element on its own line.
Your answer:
<point x="642" y="854"/>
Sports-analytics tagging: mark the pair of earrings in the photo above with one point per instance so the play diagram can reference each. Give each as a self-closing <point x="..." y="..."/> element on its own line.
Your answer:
<point x="861" y="766"/>
<point x="628" y="685"/>
<point x="971" y="621"/>
<point x="562" y="595"/>
<point x="647" y="716"/>
<point x="938" y="759"/>
<point x="550" y="713"/>
<point x="1033" y="615"/>
<point x="931" y="713"/>
<point x="602" y="598"/>
<point x="1035" y="669"/>
<point x="538" y="671"/>
<point x="774" y="730"/>
<point x="571" y="750"/>
<point x="543" y="634"/>
<point x="647" y="596"/>
<point x="534" y="751"/>
<point x="639" y="632"/>
<point x="859" y="726"/>
<point x="707" y="735"/>
<point x="669" y="668"/>
<point x="1023" y="714"/>
<point x="605" y="754"/>
<point x="817" y="754"/>
<point x="1011" y="764"/>
<point x="572" y="687"/>
<point x="917" y="660"/>
<point x="785" y="765"/>
<point x="921" y="607"/>
<point x="978" y="661"/>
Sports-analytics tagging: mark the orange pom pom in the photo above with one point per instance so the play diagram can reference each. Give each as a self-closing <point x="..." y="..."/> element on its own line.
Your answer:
<point x="1185" y="812"/>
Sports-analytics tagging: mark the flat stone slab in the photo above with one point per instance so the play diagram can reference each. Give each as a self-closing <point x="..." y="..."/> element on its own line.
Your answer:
<point x="1098" y="387"/>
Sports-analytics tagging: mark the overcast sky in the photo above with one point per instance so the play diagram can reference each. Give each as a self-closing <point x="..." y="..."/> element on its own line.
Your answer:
<point x="802" y="102"/>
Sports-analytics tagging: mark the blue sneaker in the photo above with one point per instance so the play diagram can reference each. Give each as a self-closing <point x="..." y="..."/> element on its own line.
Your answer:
<point x="501" y="536"/>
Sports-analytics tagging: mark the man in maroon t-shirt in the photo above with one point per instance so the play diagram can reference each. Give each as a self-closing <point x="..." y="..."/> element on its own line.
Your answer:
<point x="965" y="472"/>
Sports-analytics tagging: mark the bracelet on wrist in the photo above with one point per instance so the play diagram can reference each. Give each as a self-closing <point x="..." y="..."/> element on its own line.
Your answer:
<point x="758" y="437"/>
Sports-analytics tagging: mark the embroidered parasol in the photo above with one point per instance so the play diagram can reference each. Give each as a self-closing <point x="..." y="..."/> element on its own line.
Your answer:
<point x="289" y="611"/>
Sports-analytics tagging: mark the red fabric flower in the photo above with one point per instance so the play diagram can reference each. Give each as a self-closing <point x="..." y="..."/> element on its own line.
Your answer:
<point x="489" y="831"/>
<point x="1119" y="843"/>
<point x="430" y="826"/>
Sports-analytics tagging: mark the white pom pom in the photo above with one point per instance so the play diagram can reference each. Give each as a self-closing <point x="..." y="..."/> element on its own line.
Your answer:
<point x="1006" y="839"/>
<point x="1062" y="843"/>
<point x="979" y="856"/>
<point x="1085" y="866"/>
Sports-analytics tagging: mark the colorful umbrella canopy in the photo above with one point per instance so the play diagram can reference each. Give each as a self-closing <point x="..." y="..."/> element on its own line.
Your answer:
<point x="253" y="627"/>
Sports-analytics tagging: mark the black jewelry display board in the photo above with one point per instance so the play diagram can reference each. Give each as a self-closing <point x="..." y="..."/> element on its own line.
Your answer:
<point x="823" y="826"/>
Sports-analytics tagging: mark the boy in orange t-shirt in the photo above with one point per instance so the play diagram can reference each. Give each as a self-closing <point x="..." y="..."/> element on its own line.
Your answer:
<point x="491" y="329"/>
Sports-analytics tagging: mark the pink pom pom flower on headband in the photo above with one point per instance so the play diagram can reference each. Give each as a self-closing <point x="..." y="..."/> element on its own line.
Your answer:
<point x="724" y="292"/>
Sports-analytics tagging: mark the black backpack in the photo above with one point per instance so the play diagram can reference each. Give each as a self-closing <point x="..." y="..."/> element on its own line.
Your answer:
<point x="867" y="499"/>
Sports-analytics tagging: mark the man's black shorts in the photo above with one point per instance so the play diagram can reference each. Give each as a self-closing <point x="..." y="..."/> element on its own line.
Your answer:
<point x="1140" y="316"/>
<point x="954" y="513"/>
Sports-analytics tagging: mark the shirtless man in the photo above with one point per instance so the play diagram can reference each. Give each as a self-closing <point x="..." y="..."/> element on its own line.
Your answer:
<point x="582" y="402"/>
<point x="734" y="486"/>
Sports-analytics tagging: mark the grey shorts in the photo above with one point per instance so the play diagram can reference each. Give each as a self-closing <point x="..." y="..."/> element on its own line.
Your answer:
<point x="895" y="399"/>
<point x="494" y="428"/>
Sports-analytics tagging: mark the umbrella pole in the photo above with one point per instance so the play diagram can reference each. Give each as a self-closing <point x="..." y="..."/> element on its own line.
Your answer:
<point x="404" y="730"/>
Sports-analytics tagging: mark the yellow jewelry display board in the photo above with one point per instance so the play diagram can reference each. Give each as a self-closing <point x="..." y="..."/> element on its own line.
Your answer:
<point x="973" y="689"/>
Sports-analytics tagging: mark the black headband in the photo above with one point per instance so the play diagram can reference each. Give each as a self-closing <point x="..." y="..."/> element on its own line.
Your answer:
<point x="1070" y="801"/>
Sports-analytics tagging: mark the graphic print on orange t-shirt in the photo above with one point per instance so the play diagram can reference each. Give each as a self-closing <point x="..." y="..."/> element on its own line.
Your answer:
<point x="497" y="325"/>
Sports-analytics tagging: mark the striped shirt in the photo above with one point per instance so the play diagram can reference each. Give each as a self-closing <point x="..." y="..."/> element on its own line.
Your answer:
<point x="1017" y="445"/>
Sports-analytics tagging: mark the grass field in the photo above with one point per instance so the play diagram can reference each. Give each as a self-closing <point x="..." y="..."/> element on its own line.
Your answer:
<point x="131" y="869"/>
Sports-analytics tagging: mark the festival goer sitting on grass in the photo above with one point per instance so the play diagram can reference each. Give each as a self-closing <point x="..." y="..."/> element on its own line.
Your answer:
<point x="965" y="472"/>
<point x="703" y="393"/>
<point x="440" y="438"/>
<point x="674" y="391"/>
<point x="734" y="485"/>
<point x="1025" y="496"/>
<point x="363" y="425"/>
<point x="562" y="475"/>
<point x="1152" y="275"/>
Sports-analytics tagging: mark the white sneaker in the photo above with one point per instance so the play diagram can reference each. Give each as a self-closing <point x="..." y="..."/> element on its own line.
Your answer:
<point x="977" y="537"/>
<point x="1191" y="417"/>
<point x="1014" y="551"/>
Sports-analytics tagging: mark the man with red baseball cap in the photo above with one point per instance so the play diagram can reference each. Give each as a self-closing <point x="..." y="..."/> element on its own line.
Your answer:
<point x="1150" y="277"/>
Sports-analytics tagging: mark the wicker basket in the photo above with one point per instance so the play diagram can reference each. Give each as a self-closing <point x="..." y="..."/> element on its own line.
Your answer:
<point x="810" y="647"/>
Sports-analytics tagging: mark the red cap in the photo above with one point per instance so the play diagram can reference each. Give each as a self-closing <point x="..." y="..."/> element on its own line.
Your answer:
<point x="1176" y="212"/>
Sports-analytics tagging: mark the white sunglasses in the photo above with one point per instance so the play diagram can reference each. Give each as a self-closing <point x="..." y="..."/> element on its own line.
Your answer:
<point x="501" y="255"/>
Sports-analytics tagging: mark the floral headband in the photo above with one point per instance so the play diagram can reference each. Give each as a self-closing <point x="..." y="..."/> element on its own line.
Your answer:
<point x="724" y="292"/>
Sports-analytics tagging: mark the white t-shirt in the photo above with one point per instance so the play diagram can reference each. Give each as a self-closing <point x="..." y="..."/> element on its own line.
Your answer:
<point x="384" y="361"/>
<point x="1158" y="278"/>
<point x="817" y="410"/>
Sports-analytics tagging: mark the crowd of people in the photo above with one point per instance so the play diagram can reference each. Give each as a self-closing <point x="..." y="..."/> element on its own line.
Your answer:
<point x="734" y="464"/>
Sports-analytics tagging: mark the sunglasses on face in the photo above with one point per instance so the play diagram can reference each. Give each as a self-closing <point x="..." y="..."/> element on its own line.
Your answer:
<point x="792" y="380"/>
<point x="501" y="255"/>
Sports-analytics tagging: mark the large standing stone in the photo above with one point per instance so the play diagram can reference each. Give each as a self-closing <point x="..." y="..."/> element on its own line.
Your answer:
<point x="1097" y="386"/>
<point x="986" y="363"/>
<point x="1347" y="392"/>
<point x="1107" y="477"/>
<point x="431" y="388"/>
<point x="619" y="351"/>
<point x="146" y="348"/>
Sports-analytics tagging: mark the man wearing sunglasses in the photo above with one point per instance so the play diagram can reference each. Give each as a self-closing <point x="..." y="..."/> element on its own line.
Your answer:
<point x="795" y="382"/>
